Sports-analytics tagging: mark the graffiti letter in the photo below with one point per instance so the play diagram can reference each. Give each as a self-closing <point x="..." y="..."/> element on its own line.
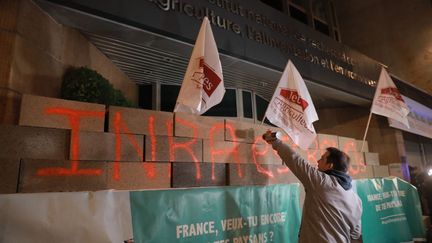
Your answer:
<point x="186" y="146"/>
<point x="233" y="150"/>
<point x="74" y="117"/>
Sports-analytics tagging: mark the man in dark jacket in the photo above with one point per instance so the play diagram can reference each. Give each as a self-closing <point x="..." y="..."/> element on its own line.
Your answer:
<point x="332" y="210"/>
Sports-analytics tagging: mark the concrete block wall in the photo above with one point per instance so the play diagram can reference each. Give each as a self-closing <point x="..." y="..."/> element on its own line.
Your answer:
<point x="38" y="111"/>
<point x="63" y="145"/>
<point x="351" y="122"/>
<point x="9" y="171"/>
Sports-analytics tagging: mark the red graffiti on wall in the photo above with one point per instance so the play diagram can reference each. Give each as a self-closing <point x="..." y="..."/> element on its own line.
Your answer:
<point x="185" y="146"/>
<point x="286" y="139"/>
<point x="153" y="142"/>
<point x="357" y="164"/>
<point x="265" y="151"/>
<point x="74" y="117"/>
<point x="150" y="168"/>
<point x="224" y="151"/>
<point x="152" y="138"/>
<point x="348" y="146"/>
<point x="119" y="129"/>
<point x="256" y="153"/>
<point x="259" y="148"/>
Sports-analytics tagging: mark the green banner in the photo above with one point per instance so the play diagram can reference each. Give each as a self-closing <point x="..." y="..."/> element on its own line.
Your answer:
<point x="254" y="214"/>
<point x="391" y="210"/>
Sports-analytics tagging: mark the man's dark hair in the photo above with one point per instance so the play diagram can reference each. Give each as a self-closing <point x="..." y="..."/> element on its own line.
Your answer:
<point x="339" y="159"/>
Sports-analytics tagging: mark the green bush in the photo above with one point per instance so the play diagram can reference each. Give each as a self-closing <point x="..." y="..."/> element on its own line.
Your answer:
<point x="87" y="85"/>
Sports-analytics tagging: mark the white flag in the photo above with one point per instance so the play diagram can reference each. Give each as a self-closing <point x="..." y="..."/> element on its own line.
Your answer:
<point x="291" y="108"/>
<point x="203" y="85"/>
<point x="388" y="101"/>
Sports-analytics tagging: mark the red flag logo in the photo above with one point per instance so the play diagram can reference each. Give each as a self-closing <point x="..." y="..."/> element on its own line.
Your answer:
<point x="210" y="80"/>
<point x="293" y="97"/>
<point x="393" y="92"/>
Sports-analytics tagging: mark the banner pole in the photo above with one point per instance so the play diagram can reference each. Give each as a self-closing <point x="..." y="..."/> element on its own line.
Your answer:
<point x="367" y="127"/>
<point x="263" y="119"/>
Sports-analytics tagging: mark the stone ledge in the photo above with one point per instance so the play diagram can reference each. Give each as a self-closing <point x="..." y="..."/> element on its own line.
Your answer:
<point x="138" y="175"/>
<point x="188" y="125"/>
<point x="9" y="170"/>
<point x="99" y="146"/>
<point x="36" y="176"/>
<point x="38" y="111"/>
<point x="264" y="175"/>
<point x="380" y="171"/>
<point x="34" y="142"/>
<point x="158" y="149"/>
<point x="185" y="175"/>
<point x="140" y="121"/>
<point x="371" y="158"/>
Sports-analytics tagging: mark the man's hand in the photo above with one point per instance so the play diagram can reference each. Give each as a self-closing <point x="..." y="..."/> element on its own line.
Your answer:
<point x="269" y="136"/>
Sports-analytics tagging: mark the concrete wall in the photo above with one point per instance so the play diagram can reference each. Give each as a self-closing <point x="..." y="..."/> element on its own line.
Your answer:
<point x="396" y="33"/>
<point x="352" y="121"/>
<point x="9" y="99"/>
<point x="36" y="52"/>
<point x="62" y="145"/>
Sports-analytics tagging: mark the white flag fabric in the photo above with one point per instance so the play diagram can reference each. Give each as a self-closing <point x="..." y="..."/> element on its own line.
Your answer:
<point x="203" y="85"/>
<point x="291" y="108"/>
<point x="388" y="101"/>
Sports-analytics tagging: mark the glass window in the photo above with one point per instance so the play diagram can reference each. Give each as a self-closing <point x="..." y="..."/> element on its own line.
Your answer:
<point x="333" y="14"/>
<point x="298" y="14"/>
<point x="227" y="107"/>
<point x="145" y="96"/>
<point x="277" y="4"/>
<point x="168" y="97"/>
<point x="336" y="35"/>
<point x="261" y="107"/>
<point x="319" y="9"/>
<point x="322" y="27"/>
<point x="247" y="104"/>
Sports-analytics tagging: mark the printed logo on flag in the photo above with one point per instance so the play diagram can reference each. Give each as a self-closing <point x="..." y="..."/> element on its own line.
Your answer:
<point x="392" y="92"/>
<point x="293" y="97"/>
<point x="210" y="79"/>
<point x="288" y="114"/>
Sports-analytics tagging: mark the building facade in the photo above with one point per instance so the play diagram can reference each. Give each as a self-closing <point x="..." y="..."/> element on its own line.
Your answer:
<point x="143" y="48"/>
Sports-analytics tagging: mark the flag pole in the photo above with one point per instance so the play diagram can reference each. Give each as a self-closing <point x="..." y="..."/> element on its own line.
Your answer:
<point x="370" y="116"/>
<point x="264" y="117"/>
<point x="367" y="128"/>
